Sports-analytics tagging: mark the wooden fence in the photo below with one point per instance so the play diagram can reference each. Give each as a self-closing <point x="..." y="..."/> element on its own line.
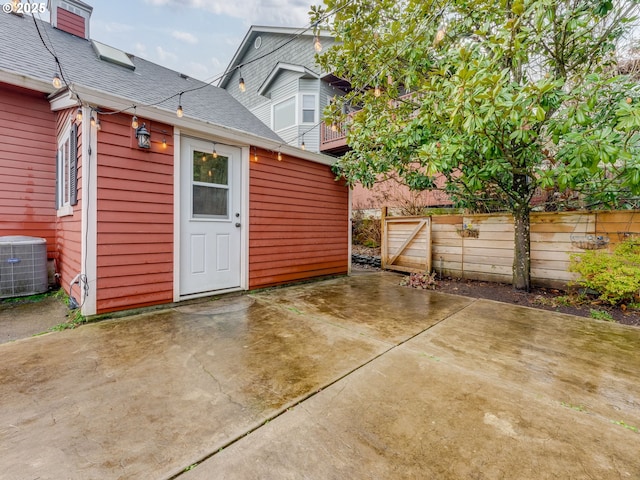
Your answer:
<point x="480" y="247"/>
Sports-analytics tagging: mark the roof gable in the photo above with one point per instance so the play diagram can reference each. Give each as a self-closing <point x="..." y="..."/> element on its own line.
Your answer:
<point x="283" y="67"/>
<point x="149" y="84"/>
<point x="255" y="31"/>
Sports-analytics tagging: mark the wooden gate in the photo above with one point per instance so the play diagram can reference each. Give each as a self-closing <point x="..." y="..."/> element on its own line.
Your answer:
<point x="406" y="244"/>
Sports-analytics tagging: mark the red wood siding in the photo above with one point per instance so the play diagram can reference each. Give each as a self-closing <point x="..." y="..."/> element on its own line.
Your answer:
<point x="135" y="217"/>
<point x="298" y="217"/>
<point x="70" y="22"/>
<point x="27" y="165"/>
<point x="69" y="228"/>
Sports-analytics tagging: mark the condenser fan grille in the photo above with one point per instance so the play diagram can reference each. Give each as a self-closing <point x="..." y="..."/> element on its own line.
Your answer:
<point x="23" y="266"/>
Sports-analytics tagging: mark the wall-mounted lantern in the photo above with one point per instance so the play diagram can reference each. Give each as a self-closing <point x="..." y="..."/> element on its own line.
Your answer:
<point x="143" y="136"/>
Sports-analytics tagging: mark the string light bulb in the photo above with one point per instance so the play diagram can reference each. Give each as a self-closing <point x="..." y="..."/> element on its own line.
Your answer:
<point x="79" y="115"/>
<point x="334" y="127"/>
<point x="241" y="85"/>
<point x="317" y="46"/>
<point x="134" y="120"/>
<point x="279" y="156"/>
<point x="214" y="153"/>
<point x="376" y="91"/>
<point x="179" y="111"/>
<point x="93" y="121"/>
<point x="98" y="124"/>
<point x="56" y="81"/>
<point x="164" y="143"/>
<point x="255" y="154"/>
<point x="303" y="146"/>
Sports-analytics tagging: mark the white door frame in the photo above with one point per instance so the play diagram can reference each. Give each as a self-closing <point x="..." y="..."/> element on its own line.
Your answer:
<point x="177" y="216"/>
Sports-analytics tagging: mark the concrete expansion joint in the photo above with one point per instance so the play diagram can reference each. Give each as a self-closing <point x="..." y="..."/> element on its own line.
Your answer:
<point x="299" y="402"/>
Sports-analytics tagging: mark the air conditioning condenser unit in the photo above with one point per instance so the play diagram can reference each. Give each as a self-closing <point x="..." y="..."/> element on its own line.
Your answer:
<point x="23" y="266"/>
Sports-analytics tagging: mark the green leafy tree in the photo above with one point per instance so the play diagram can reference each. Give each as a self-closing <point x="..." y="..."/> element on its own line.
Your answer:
<point x="501" y="97"/>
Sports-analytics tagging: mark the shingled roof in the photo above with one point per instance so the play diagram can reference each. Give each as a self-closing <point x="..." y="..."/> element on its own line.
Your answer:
<point x="22" y="53"/>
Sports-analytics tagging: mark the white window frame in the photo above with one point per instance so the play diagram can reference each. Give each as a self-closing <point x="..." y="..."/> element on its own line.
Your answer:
<point x="64" y="207"/>
<point x="295" y="113"/>
<point x="316" y="108"/>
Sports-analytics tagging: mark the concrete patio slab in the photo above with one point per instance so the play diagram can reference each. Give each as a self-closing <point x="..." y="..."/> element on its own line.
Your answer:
<point x="409" y="416"/>
<point x="21" y="320"/>
<point x="348" y="378"/>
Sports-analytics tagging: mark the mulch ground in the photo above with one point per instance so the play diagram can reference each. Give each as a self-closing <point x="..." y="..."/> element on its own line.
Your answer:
<point x="542" y="298"/>
<point x="570" y="302"/>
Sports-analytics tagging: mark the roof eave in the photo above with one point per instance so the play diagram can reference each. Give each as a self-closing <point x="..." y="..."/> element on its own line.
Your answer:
<point x="232" y="135"/>
<point x="24" y="81"/>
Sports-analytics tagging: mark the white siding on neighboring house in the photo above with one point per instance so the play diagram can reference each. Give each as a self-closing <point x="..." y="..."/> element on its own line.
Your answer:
<point x="290" y="135"/>
<point x="263" y="112"/>
<point x="285" y="86"/>
<point x="327" y="92"/>
<point x="309" y="84"/>
<point x="286" y="48"/>
<point x="311" y="138"/>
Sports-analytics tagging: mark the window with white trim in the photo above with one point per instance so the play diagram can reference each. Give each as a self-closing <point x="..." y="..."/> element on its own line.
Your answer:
<point x="309" y="108"/>
<point x="67" y="170"/>
<point x="284" y="114"/>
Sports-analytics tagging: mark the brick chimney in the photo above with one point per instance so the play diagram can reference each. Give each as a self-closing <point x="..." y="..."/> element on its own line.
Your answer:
<point x="71" y="16"/>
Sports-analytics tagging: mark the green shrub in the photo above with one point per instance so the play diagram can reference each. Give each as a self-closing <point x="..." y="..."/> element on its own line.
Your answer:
<point x="615" y="276"/>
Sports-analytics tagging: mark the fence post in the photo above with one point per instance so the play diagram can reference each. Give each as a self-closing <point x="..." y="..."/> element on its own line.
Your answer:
<point x="383" y="238"/>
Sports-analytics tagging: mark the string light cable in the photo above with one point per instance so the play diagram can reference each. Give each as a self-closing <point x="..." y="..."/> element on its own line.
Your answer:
<point x="218" y="77"/>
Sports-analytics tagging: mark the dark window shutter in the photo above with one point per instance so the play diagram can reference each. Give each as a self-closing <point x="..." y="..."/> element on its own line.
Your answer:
<point x="73" y="165"/>
<point x="57" y="179"/>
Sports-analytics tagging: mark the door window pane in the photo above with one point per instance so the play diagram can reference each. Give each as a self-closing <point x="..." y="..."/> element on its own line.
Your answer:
<point x="210" y="202"/>
<point x="210" y="185"/>
<point x="284" y="114"/>
<point x="207" y="169"/>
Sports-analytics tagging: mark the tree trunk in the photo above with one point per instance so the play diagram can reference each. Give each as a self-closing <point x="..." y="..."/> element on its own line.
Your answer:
<point x="522" y="248"/>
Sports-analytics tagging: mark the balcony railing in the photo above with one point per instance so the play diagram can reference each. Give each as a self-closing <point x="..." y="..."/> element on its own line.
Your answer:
<point x="333" y="138"/>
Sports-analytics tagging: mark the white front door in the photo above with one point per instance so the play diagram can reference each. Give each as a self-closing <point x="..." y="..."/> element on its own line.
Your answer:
<point x="210" y="222"/>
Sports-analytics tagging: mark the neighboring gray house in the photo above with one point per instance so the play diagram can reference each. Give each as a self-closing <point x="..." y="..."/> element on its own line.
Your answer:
<point x="286" y="89"/>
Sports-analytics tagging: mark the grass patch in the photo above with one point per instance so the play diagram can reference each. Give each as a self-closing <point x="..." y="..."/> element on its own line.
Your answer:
<point x="626" y="425"/>
<point x="601" y="315"/>
<point x="75" y="319"/>
<point x="32" y="298"/>
<point x="577" y="408"/>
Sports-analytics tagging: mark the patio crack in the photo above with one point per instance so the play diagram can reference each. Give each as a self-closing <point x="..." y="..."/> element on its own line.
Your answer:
<point x="311" y="394"/>
<point x="218" y="384"/>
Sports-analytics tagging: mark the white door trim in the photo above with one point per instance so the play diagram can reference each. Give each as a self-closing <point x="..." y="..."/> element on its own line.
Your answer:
<point x="244" y="238"/>
<point x="179" y="136"/>
<point x="176" y="213"/>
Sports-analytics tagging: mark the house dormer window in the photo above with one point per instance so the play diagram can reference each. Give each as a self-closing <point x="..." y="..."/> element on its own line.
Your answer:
<point x="284" y="114"/>
<point x="309" y="108"/>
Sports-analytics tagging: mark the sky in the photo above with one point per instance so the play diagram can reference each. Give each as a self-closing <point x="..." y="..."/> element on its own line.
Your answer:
<point x="195" y="37"/>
